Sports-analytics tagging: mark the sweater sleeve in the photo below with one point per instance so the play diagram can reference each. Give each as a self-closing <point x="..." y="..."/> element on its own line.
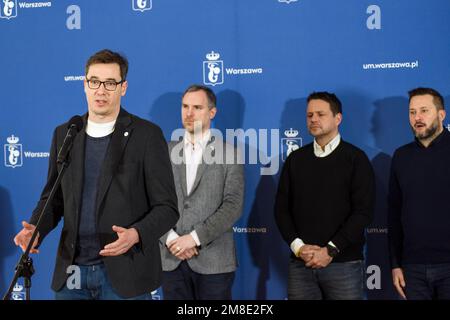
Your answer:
<point x="362" y="203"/>
<point x="283" y="215"/>
<point x="395" y="233"/>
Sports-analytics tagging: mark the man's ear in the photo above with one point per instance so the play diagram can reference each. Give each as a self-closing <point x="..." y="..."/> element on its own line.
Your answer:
<point x="338" y="118"/>
<point x="124" y="88"/>
<point x="441" y="114"/>
<point x="212" y="113"/>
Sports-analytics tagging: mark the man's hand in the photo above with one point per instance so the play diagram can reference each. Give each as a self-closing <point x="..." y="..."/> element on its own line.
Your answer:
<point x="320" y="259"/>
<point x="127" y="239"/>
<point x="24" y="236"/>
<point x="399" y="281"/>
<point x="183" y="247"/>
<point x="306" y="252"/>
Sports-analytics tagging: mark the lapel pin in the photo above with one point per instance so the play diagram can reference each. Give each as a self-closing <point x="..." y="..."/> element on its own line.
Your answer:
<point x="126" y="134"/>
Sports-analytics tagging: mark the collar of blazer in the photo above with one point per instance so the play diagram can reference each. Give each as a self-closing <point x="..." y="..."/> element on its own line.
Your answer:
<point x="181" y="168"/>
<point x="119" y="139"/>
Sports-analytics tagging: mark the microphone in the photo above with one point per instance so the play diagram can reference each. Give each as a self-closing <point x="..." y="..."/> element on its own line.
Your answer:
<point x="75" y="125"/>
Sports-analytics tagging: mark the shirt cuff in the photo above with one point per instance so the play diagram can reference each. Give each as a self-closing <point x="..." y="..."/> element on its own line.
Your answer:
<point x="172" y="236"/>
<point x="196" y="239"/>
<point x="333" y="245"/>
<point x="296" y="245"/>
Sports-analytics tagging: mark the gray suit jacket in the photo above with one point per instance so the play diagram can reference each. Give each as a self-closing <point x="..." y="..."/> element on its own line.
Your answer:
<point x="211" y="209"/>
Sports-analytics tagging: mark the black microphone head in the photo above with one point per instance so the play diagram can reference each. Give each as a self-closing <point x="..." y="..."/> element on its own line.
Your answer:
<point x="76" y="122"/>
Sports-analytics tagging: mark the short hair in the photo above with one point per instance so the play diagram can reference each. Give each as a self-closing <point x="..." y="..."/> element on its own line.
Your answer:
<point x="438" y="100"/>
<point x="331" y="98"/>
<point x="108" y="56"/>
<point x="211" y="97"/>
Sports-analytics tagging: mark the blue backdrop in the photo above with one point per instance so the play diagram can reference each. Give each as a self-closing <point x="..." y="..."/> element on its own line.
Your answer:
<point x="261" y="57"/>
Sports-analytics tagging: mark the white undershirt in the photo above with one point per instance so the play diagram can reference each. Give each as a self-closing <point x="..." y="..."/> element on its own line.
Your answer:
<point x="99" y="130"/>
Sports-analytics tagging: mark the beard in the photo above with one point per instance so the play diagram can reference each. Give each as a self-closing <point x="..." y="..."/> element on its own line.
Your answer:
<point x="429" y="132"/>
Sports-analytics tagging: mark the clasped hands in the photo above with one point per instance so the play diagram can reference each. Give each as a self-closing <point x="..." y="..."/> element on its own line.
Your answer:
<point x="183" y="247"/>
<point x="315" y="257"/>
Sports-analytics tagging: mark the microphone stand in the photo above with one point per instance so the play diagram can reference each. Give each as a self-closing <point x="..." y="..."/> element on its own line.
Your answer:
<point x="24" y="267"/>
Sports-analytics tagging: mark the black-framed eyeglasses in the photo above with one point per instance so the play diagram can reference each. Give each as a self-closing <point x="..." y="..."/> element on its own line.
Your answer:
<point x="109" y="85"/>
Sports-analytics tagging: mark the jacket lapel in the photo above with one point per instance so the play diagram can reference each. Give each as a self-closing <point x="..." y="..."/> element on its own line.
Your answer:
<point x="77" y="164"/>
<point x="119" y="140"/>
<point x="201" y="167"/>
<point x="182" y="172"/>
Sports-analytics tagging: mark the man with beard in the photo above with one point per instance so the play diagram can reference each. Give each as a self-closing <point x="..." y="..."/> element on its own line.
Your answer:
<point x="419" y="189"/>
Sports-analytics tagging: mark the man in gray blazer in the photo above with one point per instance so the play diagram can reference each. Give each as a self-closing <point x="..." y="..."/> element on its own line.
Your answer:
<point x="198" y="255"/>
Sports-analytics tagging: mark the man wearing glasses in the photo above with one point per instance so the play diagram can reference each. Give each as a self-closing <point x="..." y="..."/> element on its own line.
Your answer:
<point x="117" y="196"/>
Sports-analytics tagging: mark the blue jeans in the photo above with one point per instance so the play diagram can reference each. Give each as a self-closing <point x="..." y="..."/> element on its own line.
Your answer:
<point x="427" y="281"/>
<point x="185" y="284"/>
<point x="337" y="281"/>
<point x="94" y="286"/>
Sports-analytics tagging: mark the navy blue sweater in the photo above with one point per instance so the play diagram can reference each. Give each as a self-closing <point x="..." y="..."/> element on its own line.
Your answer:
<point x="88" y="243"/>
<point x="419" y="203"/>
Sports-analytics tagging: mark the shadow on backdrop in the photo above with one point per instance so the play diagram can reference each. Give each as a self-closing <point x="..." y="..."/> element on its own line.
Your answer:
<point x="357" y="111"/>
<point x="166" y="112"/>
<point x="230" y="113"/>
<point x="390" y="128"/>
<point x="270" y="250"/>
<point x="262" y="237"/>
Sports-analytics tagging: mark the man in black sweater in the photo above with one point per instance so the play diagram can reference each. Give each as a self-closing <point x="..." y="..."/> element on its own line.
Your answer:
<point x="324" y="202"/>
<point x="419" y="190"/>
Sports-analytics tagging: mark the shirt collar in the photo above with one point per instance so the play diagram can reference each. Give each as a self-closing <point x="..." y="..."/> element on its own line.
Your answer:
<point x="202" y="143"/>
<point x="329" y="147"/>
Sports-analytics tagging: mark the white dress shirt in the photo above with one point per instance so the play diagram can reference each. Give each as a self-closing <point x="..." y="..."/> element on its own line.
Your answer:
<point x="329" y="147"/>
<point x="193" y="152"/>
